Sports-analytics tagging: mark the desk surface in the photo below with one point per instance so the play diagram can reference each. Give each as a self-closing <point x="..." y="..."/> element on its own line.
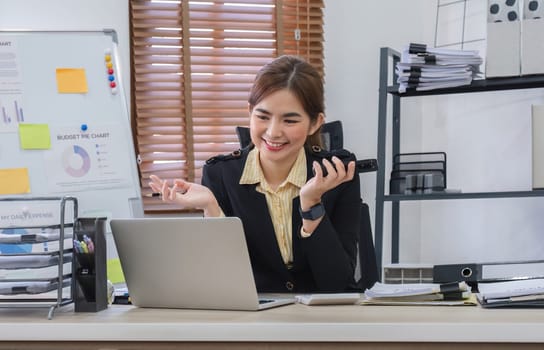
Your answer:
<point x="292" y="323"/>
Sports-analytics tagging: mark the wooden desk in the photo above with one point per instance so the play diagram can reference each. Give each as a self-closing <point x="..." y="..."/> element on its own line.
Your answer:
<point x="288" y="327"/>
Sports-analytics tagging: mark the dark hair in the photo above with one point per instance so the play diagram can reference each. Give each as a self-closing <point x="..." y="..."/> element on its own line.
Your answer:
<point x="300" y="78"/>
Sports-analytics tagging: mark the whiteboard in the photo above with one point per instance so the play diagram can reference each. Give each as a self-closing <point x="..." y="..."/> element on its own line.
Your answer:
<point x="61" y="79"/>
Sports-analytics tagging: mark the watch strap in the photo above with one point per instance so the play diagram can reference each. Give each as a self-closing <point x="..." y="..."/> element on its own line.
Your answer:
<point x="314" y="213"/>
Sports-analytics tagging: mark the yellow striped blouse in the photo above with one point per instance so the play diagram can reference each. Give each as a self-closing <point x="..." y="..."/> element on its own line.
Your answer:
<point x="280" y="201"/>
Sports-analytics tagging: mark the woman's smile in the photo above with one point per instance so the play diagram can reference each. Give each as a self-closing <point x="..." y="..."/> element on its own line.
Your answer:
<point x="274" y="146"/>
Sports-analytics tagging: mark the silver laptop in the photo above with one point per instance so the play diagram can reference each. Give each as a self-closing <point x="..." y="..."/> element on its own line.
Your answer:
<point x="190" y="262"/>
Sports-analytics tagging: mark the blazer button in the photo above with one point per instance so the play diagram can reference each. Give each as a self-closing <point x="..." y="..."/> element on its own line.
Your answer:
<point x="289" y="285"/>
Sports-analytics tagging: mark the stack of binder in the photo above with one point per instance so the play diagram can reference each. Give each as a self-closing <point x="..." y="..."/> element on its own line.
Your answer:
<point x="422" y="68"/>
<point x="416" y="173"/>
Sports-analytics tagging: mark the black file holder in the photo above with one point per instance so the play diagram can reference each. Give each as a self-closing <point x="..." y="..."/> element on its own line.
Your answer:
<point x="423" y="172"/>
<point x="89" y="269"/>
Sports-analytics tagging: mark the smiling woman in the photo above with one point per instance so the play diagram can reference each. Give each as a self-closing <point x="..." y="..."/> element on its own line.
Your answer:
<point x="293" y="214"/>
<point x="192" y="65"/>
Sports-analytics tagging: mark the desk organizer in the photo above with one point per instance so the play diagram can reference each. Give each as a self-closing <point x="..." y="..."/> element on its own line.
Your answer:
<point x="418" y="173"/>
<point x="90" y="265"/>
<point x="35" y="252"/>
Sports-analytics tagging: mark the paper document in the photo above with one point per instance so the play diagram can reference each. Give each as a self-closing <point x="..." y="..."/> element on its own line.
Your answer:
<point x="328" y="298"/>
<point x="381" y="290"/>
<point x="507" y="289"/>
<point x="522" y="293"/>
<point x="470" y="301"/>
<point x="457" y="293"/>
<point x="425" y="68"/>
<point x="33" y="236"/>
<point x="31" y="287"/>
<point x="31" y="261"/>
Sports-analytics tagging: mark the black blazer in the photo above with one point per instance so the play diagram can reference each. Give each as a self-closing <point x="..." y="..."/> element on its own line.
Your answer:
<point x="323" y="262"/>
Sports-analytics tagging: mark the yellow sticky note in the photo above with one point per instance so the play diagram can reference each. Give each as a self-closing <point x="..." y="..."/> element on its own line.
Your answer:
<point x="71" y="81"/>
<point x="14" y="181"/>
<point x="34" y="136"/>
<point x="115" y="272"/>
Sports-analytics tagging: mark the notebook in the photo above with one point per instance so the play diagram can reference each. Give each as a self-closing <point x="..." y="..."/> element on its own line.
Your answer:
<point x="189" y="262"/>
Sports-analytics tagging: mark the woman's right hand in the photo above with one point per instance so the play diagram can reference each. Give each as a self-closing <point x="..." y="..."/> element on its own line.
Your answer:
<point x="186" y="194"/>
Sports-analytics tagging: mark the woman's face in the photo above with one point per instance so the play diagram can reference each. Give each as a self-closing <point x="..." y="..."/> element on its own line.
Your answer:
<point x="279" y="127"/>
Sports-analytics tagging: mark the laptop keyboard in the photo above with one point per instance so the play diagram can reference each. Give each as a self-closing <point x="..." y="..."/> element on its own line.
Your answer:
<point x="264" y="301"/>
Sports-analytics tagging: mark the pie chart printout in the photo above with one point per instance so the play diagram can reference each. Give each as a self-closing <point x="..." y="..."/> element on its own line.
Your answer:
<point x="76" y="161"/>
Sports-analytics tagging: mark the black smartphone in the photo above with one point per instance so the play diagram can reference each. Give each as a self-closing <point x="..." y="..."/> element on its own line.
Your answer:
<point x="366" y="165"/>
<point x="361" y="166"/>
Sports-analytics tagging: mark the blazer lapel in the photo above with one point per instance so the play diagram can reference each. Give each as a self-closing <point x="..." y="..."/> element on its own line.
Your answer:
<point x="260" y="235"/>
<point x="296" y="224"/>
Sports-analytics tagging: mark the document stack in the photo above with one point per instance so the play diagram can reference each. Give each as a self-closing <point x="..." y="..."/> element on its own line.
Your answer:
<point x="457" y="293"/>
<point x="422" y="68"/>
<point x="521" y="293"/>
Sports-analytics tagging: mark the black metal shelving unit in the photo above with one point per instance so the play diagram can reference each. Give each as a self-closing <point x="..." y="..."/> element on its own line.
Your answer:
<point x="389" y="89"/>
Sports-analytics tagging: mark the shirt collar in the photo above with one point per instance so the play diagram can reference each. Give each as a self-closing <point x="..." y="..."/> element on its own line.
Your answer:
<point x="253" y="172"/>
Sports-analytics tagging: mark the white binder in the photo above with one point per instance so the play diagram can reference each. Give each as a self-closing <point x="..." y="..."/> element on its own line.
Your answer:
<point x="537" y="112"/>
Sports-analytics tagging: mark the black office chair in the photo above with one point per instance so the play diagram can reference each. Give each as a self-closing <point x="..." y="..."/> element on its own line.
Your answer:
<point x="243" y="136"/>
<point x="367" y="254"/>
<point x="332" y="135"/>
<point x="332" y="138"/>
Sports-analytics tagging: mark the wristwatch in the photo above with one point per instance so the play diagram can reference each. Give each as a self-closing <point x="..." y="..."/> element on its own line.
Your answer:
<point x="313" y="213"/>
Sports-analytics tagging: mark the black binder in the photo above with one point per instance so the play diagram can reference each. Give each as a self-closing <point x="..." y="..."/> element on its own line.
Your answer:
<point x="488" y="272"/>
<point x="457" y="272"/>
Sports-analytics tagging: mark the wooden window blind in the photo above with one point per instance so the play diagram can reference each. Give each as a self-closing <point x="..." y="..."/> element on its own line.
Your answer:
<point x="192" y="65"/>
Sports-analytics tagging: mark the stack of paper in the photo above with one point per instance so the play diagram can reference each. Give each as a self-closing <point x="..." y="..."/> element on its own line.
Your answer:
<point x="457" y="293"/>
<point x="522" y="293"/>
<point x="328" y="298"/>
<point x="422" y="68"/>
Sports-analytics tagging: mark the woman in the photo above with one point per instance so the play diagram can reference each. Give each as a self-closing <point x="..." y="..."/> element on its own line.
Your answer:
<point x="300" y="210"/>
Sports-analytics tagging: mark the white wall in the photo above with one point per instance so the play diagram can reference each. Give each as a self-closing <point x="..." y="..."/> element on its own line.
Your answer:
<point x="354" y="33"/>
<point x="487" y="137"/>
